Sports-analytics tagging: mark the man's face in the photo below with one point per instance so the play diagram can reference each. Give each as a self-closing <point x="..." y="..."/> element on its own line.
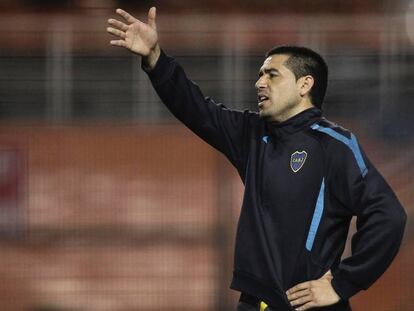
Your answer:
<point x="277" y="89"/>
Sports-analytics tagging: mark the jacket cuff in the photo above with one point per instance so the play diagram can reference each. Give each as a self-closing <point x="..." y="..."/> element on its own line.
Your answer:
<point x="343" y="287"/>
<point x="162" y="70"/>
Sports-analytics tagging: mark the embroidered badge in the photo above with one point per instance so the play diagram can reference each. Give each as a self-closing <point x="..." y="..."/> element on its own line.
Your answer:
<point x="297" y="159"/>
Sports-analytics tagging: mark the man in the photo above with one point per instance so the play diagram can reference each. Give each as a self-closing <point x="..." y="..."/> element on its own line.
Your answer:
<point x="304" y="177"/>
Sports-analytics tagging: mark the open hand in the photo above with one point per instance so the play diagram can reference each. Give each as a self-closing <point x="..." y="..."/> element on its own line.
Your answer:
<point x="316" y="293"/>
<point x="140" y="38"/>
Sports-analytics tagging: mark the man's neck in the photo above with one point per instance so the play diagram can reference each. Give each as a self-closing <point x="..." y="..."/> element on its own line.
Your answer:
<point x="293" y="112"/>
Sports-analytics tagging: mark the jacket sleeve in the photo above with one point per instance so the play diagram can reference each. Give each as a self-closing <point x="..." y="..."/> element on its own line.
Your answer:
<point x="222" y="128"/>
<point x="380" y="220"/>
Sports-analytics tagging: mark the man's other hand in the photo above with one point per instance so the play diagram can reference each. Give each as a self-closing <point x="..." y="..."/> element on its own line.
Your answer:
<point x="311" y="294"/>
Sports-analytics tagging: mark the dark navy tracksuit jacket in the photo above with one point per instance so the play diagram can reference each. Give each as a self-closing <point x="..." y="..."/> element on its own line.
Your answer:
<point x="304" y="180"/>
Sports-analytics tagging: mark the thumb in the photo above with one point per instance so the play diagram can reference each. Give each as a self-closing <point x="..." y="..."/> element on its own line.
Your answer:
<point x="328" y="274"/>
<point x="151" y="17"/>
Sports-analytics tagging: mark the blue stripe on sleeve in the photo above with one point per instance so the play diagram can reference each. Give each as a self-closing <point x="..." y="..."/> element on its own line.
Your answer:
<point x="358" y="156"/>
<point x="317" y="215"/>
<point x="350" y="143"/>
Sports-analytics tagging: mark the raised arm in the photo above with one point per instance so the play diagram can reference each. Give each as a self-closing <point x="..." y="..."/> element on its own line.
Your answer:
<point x="224" y="129"/>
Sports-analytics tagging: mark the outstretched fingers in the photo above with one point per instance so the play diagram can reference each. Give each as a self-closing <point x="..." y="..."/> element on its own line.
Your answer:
<point x="152" y="14"/>
<point x="120" y="43"/>
<point x="116" y="32"/>
<point x="117" y="24"/>
<point x="128" y="17"/>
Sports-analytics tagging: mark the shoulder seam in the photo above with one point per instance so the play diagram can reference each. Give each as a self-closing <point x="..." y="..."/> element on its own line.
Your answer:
<point x="351" y="143"/>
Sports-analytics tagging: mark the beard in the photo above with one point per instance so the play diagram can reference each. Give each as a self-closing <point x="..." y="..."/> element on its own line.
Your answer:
<point x="273" y="113"/>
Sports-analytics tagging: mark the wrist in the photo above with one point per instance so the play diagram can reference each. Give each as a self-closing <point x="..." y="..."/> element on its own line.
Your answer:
<point x="151" y="59"/>
<point x="344" y="287"/>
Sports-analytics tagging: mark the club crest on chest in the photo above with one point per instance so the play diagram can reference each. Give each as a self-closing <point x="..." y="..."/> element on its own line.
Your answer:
<point x="297" y="159"/>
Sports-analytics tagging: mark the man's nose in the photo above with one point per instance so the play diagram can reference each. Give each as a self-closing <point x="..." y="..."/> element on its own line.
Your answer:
<point x="260" y="83"/>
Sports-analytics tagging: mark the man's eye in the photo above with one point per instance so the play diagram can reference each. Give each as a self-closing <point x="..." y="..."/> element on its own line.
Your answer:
<point x="272" y="75"/>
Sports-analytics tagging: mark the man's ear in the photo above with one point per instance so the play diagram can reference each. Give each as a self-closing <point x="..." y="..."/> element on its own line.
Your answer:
<point x="305" y="84"/>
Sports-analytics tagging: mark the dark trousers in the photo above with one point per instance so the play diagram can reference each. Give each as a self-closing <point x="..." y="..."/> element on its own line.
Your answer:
<point x="243" y="306"/>
<point x="250" y="303"/>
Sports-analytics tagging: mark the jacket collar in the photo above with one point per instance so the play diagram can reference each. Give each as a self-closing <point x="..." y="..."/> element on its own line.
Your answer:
<point x="295" y="123"/>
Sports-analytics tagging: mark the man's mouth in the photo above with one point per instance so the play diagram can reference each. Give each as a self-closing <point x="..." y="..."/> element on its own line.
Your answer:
<point x="261" y="99"/>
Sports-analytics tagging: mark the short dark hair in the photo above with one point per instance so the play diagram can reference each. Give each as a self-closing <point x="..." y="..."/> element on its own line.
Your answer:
<point x="303" y="61"/>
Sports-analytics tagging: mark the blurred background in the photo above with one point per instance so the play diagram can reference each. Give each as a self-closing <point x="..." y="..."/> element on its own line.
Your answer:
<point x="108" y="203"/>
